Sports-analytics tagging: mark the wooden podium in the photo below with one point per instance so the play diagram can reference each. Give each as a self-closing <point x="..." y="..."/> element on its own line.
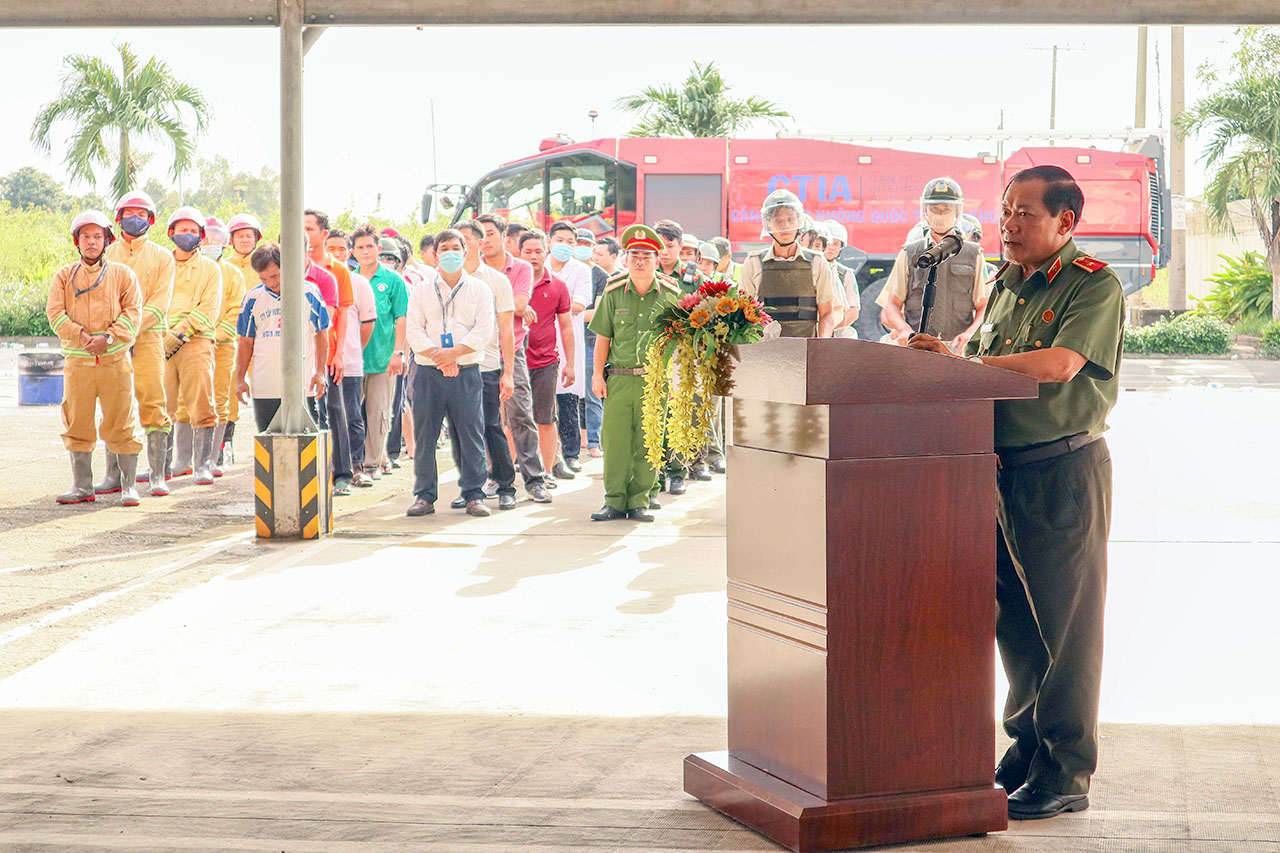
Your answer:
<point x="861" y="596"/>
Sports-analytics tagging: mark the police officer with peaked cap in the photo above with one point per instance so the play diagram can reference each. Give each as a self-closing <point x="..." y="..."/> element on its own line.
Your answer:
<point x="1058" y="315"/>
<point x="623" y="318"/>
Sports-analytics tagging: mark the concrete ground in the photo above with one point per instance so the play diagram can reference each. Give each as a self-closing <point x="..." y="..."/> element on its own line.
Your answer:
<point x="532" y="681"/>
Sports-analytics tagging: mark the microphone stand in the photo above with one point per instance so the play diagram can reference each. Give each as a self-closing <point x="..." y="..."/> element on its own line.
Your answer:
<point x="926" y="304"/>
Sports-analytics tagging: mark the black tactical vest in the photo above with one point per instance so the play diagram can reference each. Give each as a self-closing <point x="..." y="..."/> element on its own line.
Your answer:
<point x="786" y="287"/>
<point x="953" y="308"/>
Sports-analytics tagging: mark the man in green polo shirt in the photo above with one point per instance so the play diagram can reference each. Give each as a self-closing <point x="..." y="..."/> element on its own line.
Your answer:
<point x="622" y="319"/>
<point x="1058" y="315"/>
<point x="384" y="353"/>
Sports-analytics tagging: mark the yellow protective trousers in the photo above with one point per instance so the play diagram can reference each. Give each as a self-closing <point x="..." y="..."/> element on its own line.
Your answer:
<point x="86" y="386"/>
<point x="188" y="382"/>
<point x="148" y="380"/>
<point x="224" y="397"/>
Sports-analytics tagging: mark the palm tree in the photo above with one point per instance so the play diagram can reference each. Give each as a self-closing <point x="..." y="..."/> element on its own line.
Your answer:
<point x="701" y="108"/>
<point x="140" y="101"/>
<point x="1243" y="119"/>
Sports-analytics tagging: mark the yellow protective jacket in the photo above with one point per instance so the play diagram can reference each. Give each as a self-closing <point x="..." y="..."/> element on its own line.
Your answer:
<point x="232" y="295"/>
<point x="246" y="269"/>
<point x="154" y="268"/>
<point x="197" y="296"/>
<point x="98" y="298"/>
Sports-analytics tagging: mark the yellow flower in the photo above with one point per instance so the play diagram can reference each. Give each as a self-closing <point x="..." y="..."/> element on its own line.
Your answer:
<point x="726" y="305"/>
<point x="699" y="318"/>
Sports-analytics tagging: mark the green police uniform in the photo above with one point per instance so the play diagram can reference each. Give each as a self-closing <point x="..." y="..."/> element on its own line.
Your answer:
<point x="685" y="275"/>
<point x="1054" y="513"/>
<point x="625" y="317"/>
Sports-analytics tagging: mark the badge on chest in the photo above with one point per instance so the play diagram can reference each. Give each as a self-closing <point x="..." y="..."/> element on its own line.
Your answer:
<point x="446" y="340"/>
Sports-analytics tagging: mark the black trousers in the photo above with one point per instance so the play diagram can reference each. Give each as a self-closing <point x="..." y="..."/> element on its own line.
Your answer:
<point x="434" y="396"/>
<point x="395" y="438"/>
<point x="265" y="408"/>
<point x="1051" y="590"/>
<point x="570" y="418"/>
<point x="353" y="401"/>
<point x="333" y="417"/>
<point x="502" y="469"/>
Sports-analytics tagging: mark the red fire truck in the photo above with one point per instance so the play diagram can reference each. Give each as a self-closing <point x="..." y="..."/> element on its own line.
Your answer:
<point x="714" y="187"/>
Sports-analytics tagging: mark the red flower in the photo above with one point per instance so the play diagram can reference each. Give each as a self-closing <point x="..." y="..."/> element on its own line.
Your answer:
<point x="714" y="288"/>
<point x="765" y="319"/>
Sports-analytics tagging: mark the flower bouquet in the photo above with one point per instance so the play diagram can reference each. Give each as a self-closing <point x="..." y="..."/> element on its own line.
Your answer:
<point x="692" y="350"/>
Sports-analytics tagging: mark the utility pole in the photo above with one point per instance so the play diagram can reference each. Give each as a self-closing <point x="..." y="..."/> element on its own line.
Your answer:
<point x="1053" y="95"/>
<point x="1140" y="96"/>
<point x="1178" y="175"/>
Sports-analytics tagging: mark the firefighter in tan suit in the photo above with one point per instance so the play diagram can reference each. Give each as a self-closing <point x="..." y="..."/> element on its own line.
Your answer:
<point x="246" y="232"/>
<point x="95" y="307"/>
<point x="153" y="265"/>
<point x="216" y="239"/>
<point x="188" y="346"/>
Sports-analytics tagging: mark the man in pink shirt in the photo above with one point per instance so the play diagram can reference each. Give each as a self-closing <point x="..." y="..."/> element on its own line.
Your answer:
<point x="552" y="308"/>
<point x="518" y="408"/>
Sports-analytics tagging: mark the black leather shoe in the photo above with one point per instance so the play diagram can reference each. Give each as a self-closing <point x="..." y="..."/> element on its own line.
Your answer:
<point x="607" y="513"/>
<point x="676" y="485"/>
<point x="420" y="507"/>
<point x="653" y="503"/>
<point x="573" y="464"/>
<point x="717" y="465"/>
<point x="1010" y="778"/>
<point x="506" y="501"/>
<point x="639" y="515"/>
<point x="458" y="503"/>
<point x="538" y="494"/>
<point x="699" y="472"/>
<point x="1032" y="803"/>
<point x="560" y="472"/>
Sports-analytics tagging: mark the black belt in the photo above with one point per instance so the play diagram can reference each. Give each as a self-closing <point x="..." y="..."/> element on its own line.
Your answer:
<point x="625" y="371"/>
<point x="1012" y="458"/>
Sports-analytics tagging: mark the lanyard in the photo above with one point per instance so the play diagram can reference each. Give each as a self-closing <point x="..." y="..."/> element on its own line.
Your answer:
<point x="105" y="263"/>
<point x="445" y="306"/>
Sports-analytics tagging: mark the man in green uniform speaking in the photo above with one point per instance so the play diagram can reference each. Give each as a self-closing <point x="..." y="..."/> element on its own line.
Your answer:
<point x="623" y="317"/>
<point x="1058" y="315"/>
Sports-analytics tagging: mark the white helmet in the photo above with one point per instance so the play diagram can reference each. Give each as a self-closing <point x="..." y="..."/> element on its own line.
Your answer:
<point x="836" y="231"/>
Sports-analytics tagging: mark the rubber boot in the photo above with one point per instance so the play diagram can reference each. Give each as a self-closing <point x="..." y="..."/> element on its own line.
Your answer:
<point x="111" y="478"/>
<point x="81" y="480"/>
<point x="203" y="441"/>
<point x="128" y="491"/>
<point x="215" y="451"/>
<point x="157" y="445"/>
<point x="228" y="451"/>
<point x="182" y="449"/>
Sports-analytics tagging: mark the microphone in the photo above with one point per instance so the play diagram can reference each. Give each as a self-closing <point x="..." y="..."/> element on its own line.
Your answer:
<point x="945" y="248"/>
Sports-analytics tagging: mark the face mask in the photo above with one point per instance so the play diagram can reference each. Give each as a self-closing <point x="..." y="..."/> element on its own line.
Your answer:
<point x="135" y="226"/>
<point x="213" y="253"/>
<point x="561" y="251"/>
<point x="582" y="253"/>
<point x="186" y="242"/>
<point x="450" y="261"/>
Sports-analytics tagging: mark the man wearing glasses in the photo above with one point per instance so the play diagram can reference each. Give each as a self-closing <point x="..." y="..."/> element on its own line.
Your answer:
<point x="621" y="320"/>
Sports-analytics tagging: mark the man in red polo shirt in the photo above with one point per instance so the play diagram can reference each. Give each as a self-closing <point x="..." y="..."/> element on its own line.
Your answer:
<point x="551" y="306"/>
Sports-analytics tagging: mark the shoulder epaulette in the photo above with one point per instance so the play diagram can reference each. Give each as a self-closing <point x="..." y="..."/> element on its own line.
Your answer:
<point x="670" y="282"/>
<point x="619" y="280"/>
<point x="1089" y="264"/>
<point x="1003" y="267"/>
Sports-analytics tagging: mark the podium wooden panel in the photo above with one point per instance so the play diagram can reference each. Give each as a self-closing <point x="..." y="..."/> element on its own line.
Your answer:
<point x="861" y="596"/>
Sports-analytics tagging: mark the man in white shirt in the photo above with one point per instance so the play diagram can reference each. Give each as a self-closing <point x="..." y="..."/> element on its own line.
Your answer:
<point x="363" y="315"/>
<point x="450" y="323"/>
<point x="576" y="275"/>
<point x="497" y="367"/>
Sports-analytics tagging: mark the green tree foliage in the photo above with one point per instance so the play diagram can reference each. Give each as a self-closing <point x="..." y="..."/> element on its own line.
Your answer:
<point x="1188" y="334"/>
<point x="28" y="187"/>
<point x="1242" y="289"/>
<point x="702" y="107"/>
<point x="106" y="107"/>
<point x="223" y="192"/>
<point x="1241" y="115"/>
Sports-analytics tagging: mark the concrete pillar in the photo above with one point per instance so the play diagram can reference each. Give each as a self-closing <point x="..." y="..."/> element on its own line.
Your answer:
<point x="1178" y="176"/>
<point x="1140" y="96"/>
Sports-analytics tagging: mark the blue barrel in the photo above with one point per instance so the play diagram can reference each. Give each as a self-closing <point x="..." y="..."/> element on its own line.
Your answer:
<point x="39" y="378"/>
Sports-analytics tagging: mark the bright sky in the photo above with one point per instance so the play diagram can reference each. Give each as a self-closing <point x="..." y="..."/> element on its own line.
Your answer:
<point x="498" y="91"/>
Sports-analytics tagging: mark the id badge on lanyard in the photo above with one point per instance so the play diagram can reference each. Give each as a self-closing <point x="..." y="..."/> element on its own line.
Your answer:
<point x="446" y="337"/>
